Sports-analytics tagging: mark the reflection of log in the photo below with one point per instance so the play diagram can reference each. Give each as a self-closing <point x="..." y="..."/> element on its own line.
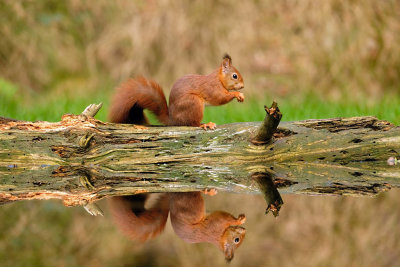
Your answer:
<point x="53" y="160"/>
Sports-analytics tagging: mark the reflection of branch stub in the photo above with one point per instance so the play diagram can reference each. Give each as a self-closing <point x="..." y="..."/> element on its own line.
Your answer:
<point x="93" y="209"/>
<point x="270" y="192"/>
<point x="274" y="208"/>
<point x="269" y="125"/>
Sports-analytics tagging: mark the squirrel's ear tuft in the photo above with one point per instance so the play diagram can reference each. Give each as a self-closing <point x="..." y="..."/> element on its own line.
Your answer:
<point x="227" y="61"/>
<point x="226" y="56"/>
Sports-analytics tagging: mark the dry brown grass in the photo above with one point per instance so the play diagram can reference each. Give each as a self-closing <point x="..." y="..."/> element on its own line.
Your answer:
<point x="332" y="47"/>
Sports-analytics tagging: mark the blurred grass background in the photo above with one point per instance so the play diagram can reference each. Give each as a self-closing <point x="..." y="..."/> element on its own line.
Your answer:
<point x="317" y="59"/>
<point x="336" y="58"/>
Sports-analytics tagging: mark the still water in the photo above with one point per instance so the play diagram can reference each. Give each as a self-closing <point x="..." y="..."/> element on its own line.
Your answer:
<point x="309" y="231"/>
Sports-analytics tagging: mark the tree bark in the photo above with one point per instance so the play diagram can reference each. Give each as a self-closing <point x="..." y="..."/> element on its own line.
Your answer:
<point x="81" y="159"/>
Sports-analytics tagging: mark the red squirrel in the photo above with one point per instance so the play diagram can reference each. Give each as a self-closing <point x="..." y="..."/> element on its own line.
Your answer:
<point x="188" y="219"/>
<point x="187" y="98"/>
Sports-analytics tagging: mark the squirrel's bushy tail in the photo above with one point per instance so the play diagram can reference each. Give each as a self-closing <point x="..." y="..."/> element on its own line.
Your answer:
<point x="135" y="95"/>
<point x="137" y="222"/>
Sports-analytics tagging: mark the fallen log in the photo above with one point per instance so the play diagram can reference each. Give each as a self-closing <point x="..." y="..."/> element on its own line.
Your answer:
<point x="81" y="159"/>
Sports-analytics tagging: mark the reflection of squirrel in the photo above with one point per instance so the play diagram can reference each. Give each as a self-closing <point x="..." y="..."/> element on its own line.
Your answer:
<point x="190" y="223"/>
<point x="137" y="221"/>
<point x="188" y="219"/>
<point x="186" y="101"/>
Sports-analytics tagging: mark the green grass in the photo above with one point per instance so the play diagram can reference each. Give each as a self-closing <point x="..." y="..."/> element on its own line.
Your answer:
<point x="42" y="108"/>
<point x="300" y="108"/>
<point x="309" y="107"/>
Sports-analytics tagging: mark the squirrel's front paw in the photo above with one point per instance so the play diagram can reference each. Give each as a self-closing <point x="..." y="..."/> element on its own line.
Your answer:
<point x="240" y="97"/>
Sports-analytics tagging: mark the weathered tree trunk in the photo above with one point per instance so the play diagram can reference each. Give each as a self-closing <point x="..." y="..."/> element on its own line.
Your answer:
<point x="81" y="159"/>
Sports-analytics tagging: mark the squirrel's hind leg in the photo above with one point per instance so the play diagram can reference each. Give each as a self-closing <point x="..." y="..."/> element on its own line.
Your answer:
<point x="209" y="125"/>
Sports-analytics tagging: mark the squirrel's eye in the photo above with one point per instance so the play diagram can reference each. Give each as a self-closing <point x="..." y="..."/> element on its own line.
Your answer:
<point x="234" y="76"/>
<point x="237" y="240"/>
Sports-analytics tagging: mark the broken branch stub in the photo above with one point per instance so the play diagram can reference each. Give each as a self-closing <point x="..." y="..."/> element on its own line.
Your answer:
<point x="92" y="110"/>
<point x="268" y="126"/>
